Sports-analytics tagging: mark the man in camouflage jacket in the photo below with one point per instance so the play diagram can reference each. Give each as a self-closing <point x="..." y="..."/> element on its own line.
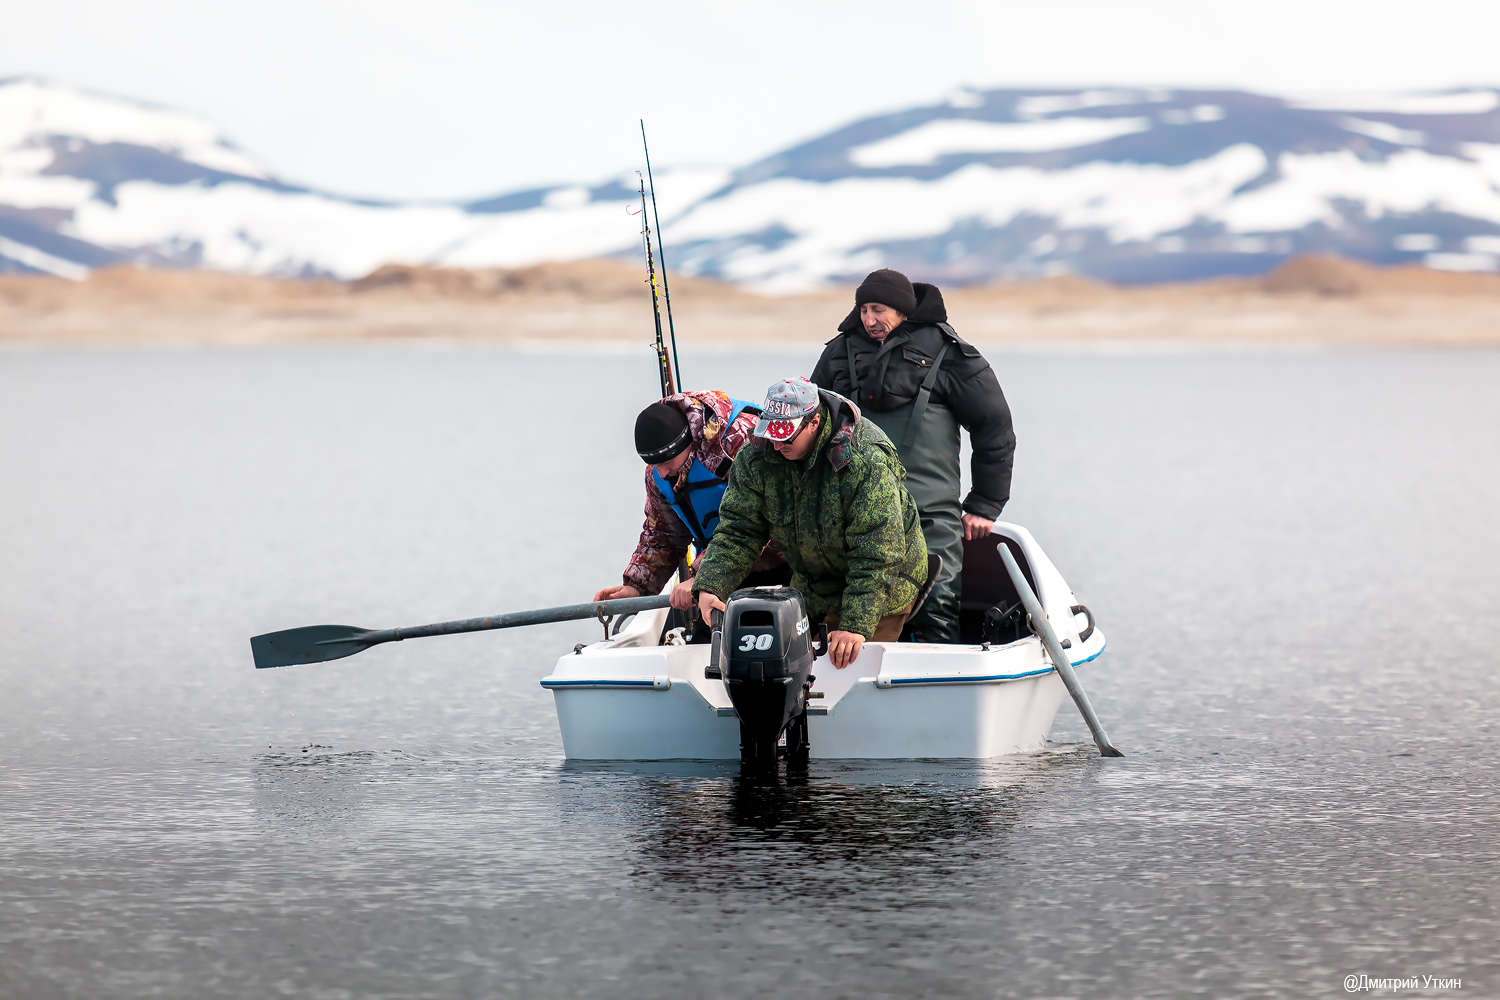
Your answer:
<point x="836" y="507"/>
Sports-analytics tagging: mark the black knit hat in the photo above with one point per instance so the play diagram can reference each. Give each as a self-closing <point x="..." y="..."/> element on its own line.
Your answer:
<point x="661" y="432"/>
<point x="889" y="288"/>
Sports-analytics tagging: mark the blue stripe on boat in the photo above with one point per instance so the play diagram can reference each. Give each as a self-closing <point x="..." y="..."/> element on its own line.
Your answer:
<point x="971" y="679"/>
<point x="987" y="677"/>
<point x="549" y="682"/>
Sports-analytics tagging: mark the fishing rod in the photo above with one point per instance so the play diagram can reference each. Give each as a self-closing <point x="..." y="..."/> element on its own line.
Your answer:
<point x="684" y="567"/>
<point x="663" y="362"/>
<point x="662" y="253"/>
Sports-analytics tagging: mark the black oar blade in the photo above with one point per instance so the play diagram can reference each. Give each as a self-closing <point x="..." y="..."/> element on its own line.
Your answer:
<point x="311" y="644"/>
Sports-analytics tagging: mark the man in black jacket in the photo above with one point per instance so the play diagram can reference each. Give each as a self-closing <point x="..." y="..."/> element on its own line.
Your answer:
<point x="900" y="361"/>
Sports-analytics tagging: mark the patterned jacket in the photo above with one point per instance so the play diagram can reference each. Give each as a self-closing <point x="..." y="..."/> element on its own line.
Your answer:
<point x="664" y="538"/>
<point x="841" y="516"/>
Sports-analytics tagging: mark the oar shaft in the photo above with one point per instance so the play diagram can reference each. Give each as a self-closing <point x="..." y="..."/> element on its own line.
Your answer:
<point x="1060" y="657"/>
<point x="320" y="643"/>
<point x="541" y="616"/>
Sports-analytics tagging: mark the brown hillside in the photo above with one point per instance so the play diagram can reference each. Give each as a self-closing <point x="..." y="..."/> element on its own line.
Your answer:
<point x="1335" y="276"/>
<point x="1307" y="299"/>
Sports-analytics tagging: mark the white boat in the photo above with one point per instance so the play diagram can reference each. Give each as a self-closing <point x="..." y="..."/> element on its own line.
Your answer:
<point x="638" y="696"/>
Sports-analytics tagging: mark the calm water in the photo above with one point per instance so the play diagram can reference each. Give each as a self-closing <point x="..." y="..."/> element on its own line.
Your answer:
<point x="1294" y="556"/>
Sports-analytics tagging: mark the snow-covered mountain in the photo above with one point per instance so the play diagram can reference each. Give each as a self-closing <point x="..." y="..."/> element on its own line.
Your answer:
<point x="88" y="180"/>
<point x="1126" y="185"/>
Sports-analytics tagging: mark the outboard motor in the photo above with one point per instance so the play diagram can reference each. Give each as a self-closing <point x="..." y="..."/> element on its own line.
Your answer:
<point x="763" y="650"/>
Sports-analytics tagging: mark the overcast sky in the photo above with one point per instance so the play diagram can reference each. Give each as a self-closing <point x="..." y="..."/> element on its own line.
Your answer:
<point x="448" y="98"/>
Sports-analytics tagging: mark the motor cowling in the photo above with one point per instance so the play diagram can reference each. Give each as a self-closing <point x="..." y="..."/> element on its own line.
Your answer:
<point x="764" y="652"/>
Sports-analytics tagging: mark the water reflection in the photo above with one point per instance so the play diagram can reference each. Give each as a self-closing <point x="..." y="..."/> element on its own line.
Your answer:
<point x="839" y="828"/>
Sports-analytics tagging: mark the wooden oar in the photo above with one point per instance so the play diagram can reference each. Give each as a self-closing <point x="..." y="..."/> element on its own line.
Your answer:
<point x="1060" y="657"/>
<point x="316" y="643"/>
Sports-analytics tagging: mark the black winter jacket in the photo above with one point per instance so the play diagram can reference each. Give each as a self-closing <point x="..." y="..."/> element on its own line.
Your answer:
<point x="890" y="373"/>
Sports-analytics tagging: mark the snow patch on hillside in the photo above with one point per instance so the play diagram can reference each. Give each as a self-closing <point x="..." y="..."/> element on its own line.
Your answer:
<point x="835" y="224"/>
<point x="925" y="143"/>
<point x="21" y="189"/>
<point x="35" y="259"/>
<point x="1384" y="131"/>
<point x="33" y="112"/>
<point x="1459" y="102"/>
<point x="1311" y="186"/>
<point x="1039" y="105"/>
<point x="836" y="227"/>
<point x="247" y="227"/>
<point x="520" y="238"/>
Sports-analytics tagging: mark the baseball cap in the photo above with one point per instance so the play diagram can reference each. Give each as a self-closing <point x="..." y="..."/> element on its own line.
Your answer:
<point x="787" y="404"/>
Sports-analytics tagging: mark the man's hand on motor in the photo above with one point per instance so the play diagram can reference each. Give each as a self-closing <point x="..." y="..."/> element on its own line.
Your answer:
<point x="977" y="527"/>
<point x="708" y="602"/>
<point x="843" y="648"/>
<point x="682" y="595"/>
<point x="615" y="593"/>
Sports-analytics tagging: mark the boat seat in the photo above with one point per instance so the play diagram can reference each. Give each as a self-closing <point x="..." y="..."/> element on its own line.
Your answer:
<point x="985" y="584"/>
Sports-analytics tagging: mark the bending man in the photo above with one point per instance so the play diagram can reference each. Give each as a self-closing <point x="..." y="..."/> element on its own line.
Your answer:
<point x="688" y="442"/>
<point x="899" y="359"/>
<point x="825" y="485"/>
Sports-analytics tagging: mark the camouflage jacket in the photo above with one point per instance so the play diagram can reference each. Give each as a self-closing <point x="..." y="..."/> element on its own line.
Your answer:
<point x="664" y="538"/>
<point x="841" y="516"/>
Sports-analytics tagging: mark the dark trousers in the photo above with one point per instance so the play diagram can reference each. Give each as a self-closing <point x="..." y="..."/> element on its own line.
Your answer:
<point x="932" y="477"/>
<point x="937" y="619"/>
<point x="888" y="629"/>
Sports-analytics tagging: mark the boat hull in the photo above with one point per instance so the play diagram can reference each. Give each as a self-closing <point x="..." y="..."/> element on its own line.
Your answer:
<point x="896" y="701"/>
<point x="628" y="698"/>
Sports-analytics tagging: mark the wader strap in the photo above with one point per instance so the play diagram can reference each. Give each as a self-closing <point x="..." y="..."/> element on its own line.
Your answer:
<point x="853" y="378"/>
<point x="923" y="394"/>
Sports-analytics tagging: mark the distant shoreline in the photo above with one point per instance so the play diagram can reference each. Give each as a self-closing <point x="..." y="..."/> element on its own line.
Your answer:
<point x="1313" y="301"/>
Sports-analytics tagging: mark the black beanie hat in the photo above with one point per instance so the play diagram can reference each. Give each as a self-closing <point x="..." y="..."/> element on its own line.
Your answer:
<point x="661" y="431"/>
<point x="889" y="288"/>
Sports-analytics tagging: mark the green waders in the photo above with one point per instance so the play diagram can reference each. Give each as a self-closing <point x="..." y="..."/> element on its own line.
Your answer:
<point x="926" y="439"/>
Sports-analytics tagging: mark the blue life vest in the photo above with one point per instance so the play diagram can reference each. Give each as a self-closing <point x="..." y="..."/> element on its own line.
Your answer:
<point x="696" y="504"/>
